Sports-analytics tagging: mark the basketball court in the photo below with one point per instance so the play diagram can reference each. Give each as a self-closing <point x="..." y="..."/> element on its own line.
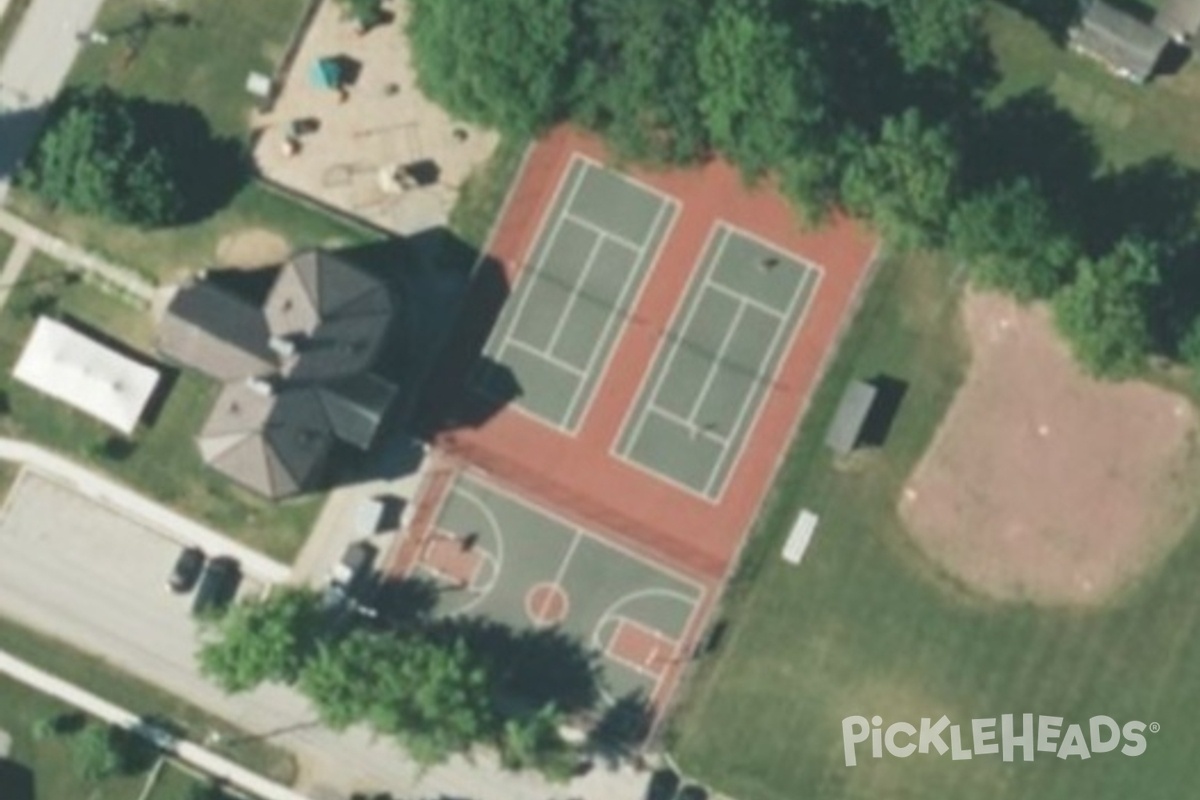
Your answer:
<point x="583" y="275"/>
<point x="718" y="359"/>
<point x="498" y="555"/>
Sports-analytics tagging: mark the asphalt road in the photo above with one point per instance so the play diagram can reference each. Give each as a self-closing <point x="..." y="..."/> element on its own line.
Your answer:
<point x="79" y="571"/>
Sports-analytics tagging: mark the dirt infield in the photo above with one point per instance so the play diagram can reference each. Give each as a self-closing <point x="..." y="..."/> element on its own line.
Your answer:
<point x="1045" y="485"/>
<point x="252" y="247"/>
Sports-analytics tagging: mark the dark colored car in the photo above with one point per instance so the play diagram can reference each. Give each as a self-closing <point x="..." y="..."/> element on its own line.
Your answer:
<point x="186" y="571"/>
<point x="664" y="783"/>
<point x="218" y="585"/>
<point x="692" y="792"/>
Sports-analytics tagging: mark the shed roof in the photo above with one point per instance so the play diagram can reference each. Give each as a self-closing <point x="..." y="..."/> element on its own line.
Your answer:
<point x="80" y="371"/>
<point x="1179" y="19"/>
<point x="852" y="412"/>
<point x="1127" y="45"/>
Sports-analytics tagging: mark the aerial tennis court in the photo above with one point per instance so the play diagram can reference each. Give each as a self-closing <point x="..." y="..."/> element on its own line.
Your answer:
<point x="717" y="361"/>
<point x="582" y="276"/>
<point x="497" y="554"/>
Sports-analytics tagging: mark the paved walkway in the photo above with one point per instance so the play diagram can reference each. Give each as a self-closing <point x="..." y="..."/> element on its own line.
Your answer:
<point x="14" y="265"/>
<point x="140" y="508"/>
<point x="204" y="760"/>
<point x="122" y="278"/>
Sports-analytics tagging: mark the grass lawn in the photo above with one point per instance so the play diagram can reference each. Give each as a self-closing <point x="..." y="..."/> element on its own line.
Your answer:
<point x="163" y="461"/>
<point x="118" y="687"/>
<point x="203" y="63"/>
<point x="203" y="59"/>
<point x="50" y="759"/>
<point x="168" y="254"/>
<point x="1130" y="123"/>
<point x="484" y="192"/>
<point x="865" y="627"/>
<point x="6" y="246"/>
<point x="174" y="782"/>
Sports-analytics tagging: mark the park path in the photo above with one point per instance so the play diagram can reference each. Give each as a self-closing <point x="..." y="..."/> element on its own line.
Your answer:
<point x="205" y="760"/>
<point x="33" y="70"/>
<point x="122" y="278"/>
<point x="14" y="265"/>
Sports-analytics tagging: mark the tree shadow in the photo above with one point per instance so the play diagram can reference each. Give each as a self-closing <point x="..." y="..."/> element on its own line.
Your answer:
<point x="530" y="667"/>
<point x="403" y="602"/>
<point x="1031" y="136"/>
<point x="622" y="728"/>
<point x="1054" y="16"/>
<point x="18" y="131"/>
<point x="16" y="781"/>
<point x="209" y="169"/>
<point x="1156" y="200"/>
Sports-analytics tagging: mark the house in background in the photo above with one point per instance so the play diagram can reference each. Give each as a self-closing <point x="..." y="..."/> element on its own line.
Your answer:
<point x="1179" y="19"/>
<point x="297" y="368"/>
<point x="1129" y="47"/>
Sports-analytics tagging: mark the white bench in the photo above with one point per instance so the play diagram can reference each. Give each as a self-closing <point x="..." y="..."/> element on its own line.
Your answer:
<point x="801" y="535"/>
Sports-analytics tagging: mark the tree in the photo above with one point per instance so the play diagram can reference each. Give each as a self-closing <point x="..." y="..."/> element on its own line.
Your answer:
<point x="762" y="95"/>
<point x="905" y="181"/>
<point x="506" y="64"/>
<point x="1010" y="240"/>
<point x="263" y="640"/>
<point x="638" y="83"/>
<point x="365" y="13"/>
<point x="432" y="696"/>
<point x="533" y="742"/>
<point x="94" y="158"/>
<point x="95" y="752"/>
<point x="1104" y="312"/>
<point x="937" y="34"/>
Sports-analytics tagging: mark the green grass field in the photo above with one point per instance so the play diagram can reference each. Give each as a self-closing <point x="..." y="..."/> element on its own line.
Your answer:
<point x="50" y="759"/>
<point x="163" y="462"/>
<point x="865" y="627"/>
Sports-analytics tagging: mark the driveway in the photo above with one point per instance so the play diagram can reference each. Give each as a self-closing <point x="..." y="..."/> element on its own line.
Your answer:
<point x="77" y="570"/>
<point x="33" y="70"/>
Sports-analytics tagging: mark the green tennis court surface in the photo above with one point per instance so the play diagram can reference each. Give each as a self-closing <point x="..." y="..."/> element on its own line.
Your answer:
<point x="502" y="557"/>
<point x="717" y="361"/>
<point x="557" y="331"/>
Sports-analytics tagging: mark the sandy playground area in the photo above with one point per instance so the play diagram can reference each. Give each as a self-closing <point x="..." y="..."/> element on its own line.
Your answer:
<point x="1043" y="484"/>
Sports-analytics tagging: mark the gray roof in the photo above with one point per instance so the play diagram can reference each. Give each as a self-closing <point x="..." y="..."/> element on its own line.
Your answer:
<point x="1127" y="45"/>
<point x="215" y="332"/>
<point x="1179" y="19"/>
<point x="312" y="345"/>
<point x="846" y="428"/>
<point x="276" y="445"/>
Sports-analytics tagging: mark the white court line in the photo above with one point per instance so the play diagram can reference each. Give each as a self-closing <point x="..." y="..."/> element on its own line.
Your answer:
<point x="492" y="523"/>
<point x="721" y="288"/>
<point x="583" y="222"/>
<point x="664" y="342"/>
<point x="638" y="272"/>
<point x="776" y="342"/>
<point x="715" y="364"/>
<point x="535" y="267"/>
<point x="570" y="369"/>
<point x="490" y="486"/>
<point x="691" y="427"/>
<point x="576" y="291"/>
<point x="624" y="178"/>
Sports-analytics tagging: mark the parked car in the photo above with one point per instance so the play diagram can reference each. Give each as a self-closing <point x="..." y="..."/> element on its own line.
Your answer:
<point x="217" y="587"/>
<point x="349" y="576"/>
<point x="664" y="783"/>
<point x="186" y="571"/>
